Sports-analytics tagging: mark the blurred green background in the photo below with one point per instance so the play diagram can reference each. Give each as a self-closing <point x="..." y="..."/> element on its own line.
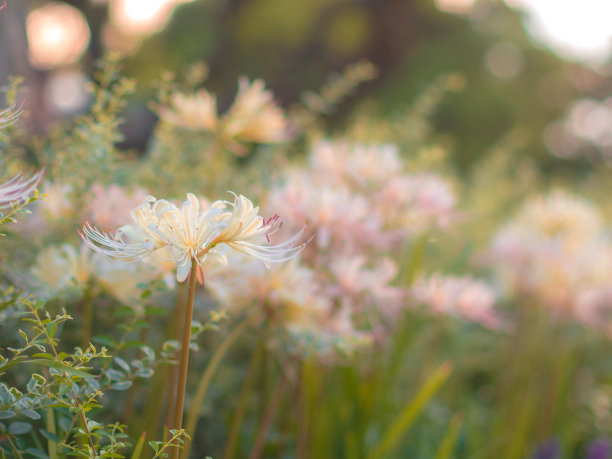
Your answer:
<point x="514" y="88"/>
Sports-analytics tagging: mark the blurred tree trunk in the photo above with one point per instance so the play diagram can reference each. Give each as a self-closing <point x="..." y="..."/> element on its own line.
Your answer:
<point x="13" y="42"/>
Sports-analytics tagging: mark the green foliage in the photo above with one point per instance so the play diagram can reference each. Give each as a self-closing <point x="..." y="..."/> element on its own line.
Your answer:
<point x="87" y="373"/>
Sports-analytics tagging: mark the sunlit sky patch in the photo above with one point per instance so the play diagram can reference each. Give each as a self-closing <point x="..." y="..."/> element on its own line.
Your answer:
<point x="141" y="17"/>
<point x="576" y="30"/>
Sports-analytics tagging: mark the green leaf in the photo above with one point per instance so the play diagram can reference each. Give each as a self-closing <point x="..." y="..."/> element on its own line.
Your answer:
<point x="139" y="446"/>
<point x="51" y="329"/>
<point x="122" y="385"/>
<point x="31" y="414"/>
<point x="144" y="373"/>
<point x="122" y="363"/>
<point x="39" y="378"/>
<point x="155" y="311"/>
<point x="19" y="428"/>
<point x="148" y="352"/>
<point x="59" y="366"/>
<point x="114" y="375"/>
<point x="402" y="423"/>
<point x="43" y="355"/>
<point x="65" y="423"/>
<point x="5" y="394"/>
<point x="104" y="340"/>
<point x="32" y="385"/>
<point x="447" y="447"/>
<point x="50" y="435"/>
<point x="155" y="445"/>
<point x="37" y="453"/>
<point x="6" y="414"/>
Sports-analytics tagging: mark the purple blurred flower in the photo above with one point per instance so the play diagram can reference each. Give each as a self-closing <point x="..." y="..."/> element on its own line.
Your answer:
<point x="599" y="449"/>
<point x="548" y="450"/>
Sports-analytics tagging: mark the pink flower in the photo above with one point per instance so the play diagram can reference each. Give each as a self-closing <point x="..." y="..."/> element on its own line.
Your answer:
<point x="363" y="288"/>
<point x="555" y="249"/>
<point x="463" y="297"/>
<point x="417" y="203"/>
<point x="338" y="217"/>
<point x="112" y="205"/>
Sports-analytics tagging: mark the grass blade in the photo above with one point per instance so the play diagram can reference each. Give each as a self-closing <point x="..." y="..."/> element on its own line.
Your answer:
<point x="409" y="413"/>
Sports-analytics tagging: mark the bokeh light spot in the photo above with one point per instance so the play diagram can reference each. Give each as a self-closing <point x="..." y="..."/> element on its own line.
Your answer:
<point x="504" y="60"/>
<point x="66" y="92"/>
<point x="58" y="35"/>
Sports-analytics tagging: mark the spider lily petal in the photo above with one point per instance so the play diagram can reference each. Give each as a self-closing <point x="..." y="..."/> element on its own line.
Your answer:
<point x="18" y="189"/>
<point x="10" y="115"/>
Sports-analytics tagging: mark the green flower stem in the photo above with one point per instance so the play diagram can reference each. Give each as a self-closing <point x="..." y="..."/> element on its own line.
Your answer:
<point x="51" y="428"/>
<point x="192" y="418"/>
<point x="182" y="380"/>
<point x="12" y="445"/>
<point x="130" y="401"/>
<point x="87" y="319"/>
<point x="258" y="448"/>
<point x="247" y="385"/>
<point x="173" y="373"/>
<point x="162" y="380"/>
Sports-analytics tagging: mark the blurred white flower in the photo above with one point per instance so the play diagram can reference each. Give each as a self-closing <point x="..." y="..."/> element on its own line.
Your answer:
<point x="192" y="112"/>
<point x="254" y="117"/>
<point x="58" y="268"/>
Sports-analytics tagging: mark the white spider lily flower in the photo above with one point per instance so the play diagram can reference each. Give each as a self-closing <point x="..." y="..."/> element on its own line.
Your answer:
<point x="18" y="189"/>
<point x="10" y="115"/>
<point x="191" y="233"/>
<point x="254" y="117"/>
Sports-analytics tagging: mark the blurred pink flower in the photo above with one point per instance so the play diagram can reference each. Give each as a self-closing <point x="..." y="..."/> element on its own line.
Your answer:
<point x="365" y="288"/>
<point x="555" y="249"/>
<point x="463" y="297"/>
<point x="359" y="165"/>
<point x="338" y="217"/>
<point x="112" y="205"/>
<point x="594" y="309"/>
<point x="417" y="203"/>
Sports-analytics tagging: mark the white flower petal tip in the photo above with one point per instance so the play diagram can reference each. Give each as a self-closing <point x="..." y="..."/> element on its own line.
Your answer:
<point x="114" y="247"/>
<point x="18" y="189"/>
<point x="11" y="114"/>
